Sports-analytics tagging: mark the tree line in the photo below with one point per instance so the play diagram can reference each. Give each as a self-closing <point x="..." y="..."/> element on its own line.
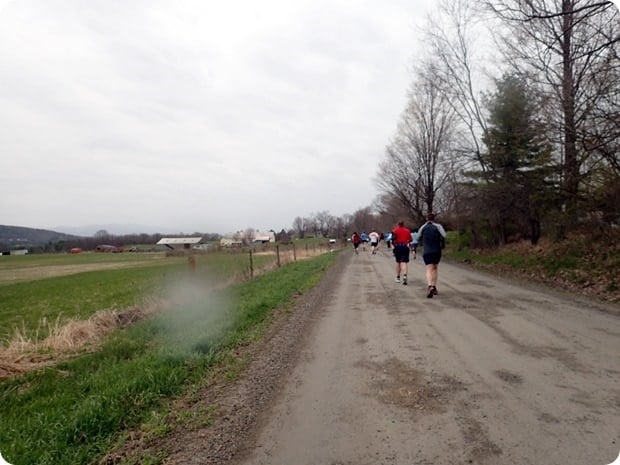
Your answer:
<point x="324" y="224"/>
<point x="104" y="238"/>
<point x="511" y="128"/>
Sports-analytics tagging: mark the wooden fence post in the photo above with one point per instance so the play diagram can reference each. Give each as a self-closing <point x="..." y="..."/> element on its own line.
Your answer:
<point x="251" y="265"/>
<point x="278" y="254"/>
<point x="294" y="253"/>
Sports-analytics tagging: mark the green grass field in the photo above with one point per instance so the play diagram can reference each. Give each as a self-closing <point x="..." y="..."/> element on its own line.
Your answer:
<point x="42" y="288"/>
<point x="74" y="412"/>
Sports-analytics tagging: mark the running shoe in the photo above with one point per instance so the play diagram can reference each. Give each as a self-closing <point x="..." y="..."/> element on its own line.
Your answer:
<point x="435" y="290"/>
<point x="429" y="292"/>
<point x="405" y="280"/>
<point x="397" y="279"/>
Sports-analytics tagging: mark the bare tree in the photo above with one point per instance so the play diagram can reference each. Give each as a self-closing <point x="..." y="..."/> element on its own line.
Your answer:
<point x="343" y="225"/>
<point x="323" y="221"/>
<point x="248" y="236"/>
<point x="452" y="35"/>
<point x="300" y="227"/>
<point x="362" y="219"/>
<point x="390" y="211"/>
<point x="398" y="178"/>
<point x="332" y="226"/>
<point x="570" y="48"/>
<point x="323" y="224"/>
<point x="414" y="169"/>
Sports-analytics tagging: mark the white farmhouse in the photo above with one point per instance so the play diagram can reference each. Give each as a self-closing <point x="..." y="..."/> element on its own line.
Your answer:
<point x="264" y="237"/>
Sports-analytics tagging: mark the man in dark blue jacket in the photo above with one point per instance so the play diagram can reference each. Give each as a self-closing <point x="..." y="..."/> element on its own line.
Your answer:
<point x="432" y="237"/>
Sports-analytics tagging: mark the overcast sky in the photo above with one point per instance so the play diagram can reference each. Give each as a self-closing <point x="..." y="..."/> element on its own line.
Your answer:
<point x="196" y="115"/>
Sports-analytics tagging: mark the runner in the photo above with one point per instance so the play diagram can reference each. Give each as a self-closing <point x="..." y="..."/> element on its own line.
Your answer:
<point x="355" y="238"/>
<point x="433" y="237"/>
<point x="401" y="237"/>
<point x="374" y="241"/>
<point x="388" y="239"/>
<point x="364" y="237"/>
<point x="414" y="244"/>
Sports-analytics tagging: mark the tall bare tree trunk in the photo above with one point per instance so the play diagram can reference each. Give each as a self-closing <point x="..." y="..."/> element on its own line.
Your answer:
<point x="571" y="164"/>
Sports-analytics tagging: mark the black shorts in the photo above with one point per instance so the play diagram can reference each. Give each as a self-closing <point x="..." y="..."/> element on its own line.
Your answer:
<point x="401" y="253"/>
<point x="432" y="258"/>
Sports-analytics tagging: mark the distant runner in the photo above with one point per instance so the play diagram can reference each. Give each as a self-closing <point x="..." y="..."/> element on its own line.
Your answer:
<point x="364" y="237"/>
<point x="355" y="239"/>
<point x="388" y="239"/>
<point x="414" y="244"/>
<point x="374" y="241"/>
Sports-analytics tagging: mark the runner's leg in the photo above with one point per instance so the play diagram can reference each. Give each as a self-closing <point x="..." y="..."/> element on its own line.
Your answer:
<point x="433" y="274"/>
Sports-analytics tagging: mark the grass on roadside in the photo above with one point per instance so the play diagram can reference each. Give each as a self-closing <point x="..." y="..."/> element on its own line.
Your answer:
<point x="74" y="412"/>
<point x="586" y="263"/>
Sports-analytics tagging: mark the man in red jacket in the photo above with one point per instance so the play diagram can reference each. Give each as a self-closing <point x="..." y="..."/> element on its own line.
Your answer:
<point x="356" y="239"/>
<point x="401" y="238"/>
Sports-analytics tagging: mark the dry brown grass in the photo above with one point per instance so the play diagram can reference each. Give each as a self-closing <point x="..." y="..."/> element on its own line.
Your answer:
<point x="67" y="338"/>
<point x="25" y="351"/>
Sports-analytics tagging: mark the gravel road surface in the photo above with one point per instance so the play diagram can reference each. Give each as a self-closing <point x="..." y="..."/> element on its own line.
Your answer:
<point x="368" y="372"/>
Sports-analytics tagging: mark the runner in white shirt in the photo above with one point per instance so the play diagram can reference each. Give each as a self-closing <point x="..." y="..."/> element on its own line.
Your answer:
<point x="374" y="241"/>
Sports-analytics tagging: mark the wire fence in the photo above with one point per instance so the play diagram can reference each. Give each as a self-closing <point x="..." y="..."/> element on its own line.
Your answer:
<point x="283" y="254"/>
<point x="260" y="258"/>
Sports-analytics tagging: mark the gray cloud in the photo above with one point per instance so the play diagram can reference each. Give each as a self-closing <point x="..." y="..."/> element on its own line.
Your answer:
<point x="197" y="115"/>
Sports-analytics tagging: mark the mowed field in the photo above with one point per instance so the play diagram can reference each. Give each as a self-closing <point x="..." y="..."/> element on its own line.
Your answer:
<point x="32" y="267"/>
<point x="38" y="289"/>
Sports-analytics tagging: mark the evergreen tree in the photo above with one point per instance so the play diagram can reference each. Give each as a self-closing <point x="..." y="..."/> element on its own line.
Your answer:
<point x="518" y="188"/>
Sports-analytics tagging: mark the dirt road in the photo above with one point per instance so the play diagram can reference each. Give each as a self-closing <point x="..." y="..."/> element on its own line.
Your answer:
<point x="487" y="372"/>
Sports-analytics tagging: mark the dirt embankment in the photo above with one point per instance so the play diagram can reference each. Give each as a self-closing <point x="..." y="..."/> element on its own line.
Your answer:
<point x="585" y="264"/>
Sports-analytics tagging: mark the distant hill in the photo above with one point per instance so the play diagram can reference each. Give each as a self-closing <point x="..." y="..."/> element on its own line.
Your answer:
<point x="17" y="236"/>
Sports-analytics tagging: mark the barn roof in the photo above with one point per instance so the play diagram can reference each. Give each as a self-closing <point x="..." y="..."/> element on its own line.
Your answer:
<point x="179" y="240"/>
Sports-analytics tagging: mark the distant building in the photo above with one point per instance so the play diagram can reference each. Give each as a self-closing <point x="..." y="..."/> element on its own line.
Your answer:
<point x="240" y="238"/>
<point x="14" y="252"/>
<point x="180" y="243"/>
<point x="229" y="241"/>
<point x="264" y="237"/>
<point x="108" y="248"/>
